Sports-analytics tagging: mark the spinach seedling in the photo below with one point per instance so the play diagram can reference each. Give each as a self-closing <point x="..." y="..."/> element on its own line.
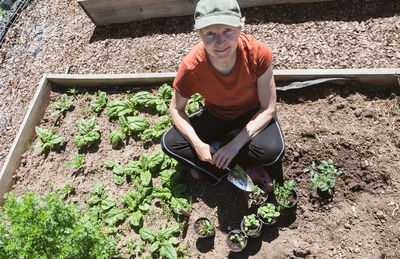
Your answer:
<point x="115" y="138"/>
<point x="162" y="242"/>
<point x="250" y="222"/>
<point x="89" y="133"/>
<point x="163" y="123"/>
<point x="62" y="106"/>
<point x="118" y="172"/>
<point x="48" y="139"/>
<point x="195" y="102"/>
<point x="268" y="212"/>
<point x="73" y="91"/>
<point x="238" y="238"/>
<point x="258" y="196"/>
<point x="118" y="108"/>
<point x="78" y="163"/>
<point x="323" y="176"/>
<point x="99" y="104"/>
<point x="130" y="125"/>
<point x="104" y="207"/>
<point x="159" y="102"/>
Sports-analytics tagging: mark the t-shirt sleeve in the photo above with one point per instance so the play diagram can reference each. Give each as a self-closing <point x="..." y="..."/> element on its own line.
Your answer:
<point x="184" y="81"/>
<point x="263" y="58"/>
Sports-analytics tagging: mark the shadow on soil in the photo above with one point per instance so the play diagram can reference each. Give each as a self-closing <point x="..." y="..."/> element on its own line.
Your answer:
<point x="340" y="10"/>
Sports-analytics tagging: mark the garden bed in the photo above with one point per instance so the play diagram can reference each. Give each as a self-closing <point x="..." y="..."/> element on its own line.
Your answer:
<point x="319" y="122"/>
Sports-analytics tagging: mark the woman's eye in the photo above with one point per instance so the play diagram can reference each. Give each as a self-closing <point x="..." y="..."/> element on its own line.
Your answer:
<point x="228" y="31"/>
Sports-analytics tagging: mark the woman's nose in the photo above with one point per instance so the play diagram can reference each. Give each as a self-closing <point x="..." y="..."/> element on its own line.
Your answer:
<point x="218" y="39"/>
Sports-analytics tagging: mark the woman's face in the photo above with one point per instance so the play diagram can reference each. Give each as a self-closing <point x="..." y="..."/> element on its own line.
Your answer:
<point x="220" y="41"/>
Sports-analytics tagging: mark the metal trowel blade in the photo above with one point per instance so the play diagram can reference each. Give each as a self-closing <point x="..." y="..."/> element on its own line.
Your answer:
<point x="238" y="177"/>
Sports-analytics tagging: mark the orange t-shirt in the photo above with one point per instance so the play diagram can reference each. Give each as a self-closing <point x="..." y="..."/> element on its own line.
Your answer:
<point x="226" y="97"/>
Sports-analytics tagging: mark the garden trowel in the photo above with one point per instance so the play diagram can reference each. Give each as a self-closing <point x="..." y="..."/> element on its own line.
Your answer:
<point x="238" y="177"/>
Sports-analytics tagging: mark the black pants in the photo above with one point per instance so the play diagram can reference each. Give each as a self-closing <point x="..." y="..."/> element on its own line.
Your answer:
<point x="266" y="148"/>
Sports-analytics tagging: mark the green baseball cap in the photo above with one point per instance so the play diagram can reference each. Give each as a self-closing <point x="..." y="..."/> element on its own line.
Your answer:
<point x="209" y="12"/>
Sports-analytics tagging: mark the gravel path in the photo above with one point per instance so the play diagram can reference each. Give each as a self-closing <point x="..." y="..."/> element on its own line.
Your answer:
<point x="57" y="37"/>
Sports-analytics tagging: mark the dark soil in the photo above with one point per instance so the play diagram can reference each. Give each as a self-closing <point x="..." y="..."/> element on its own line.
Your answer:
<point x="355" y="126"/>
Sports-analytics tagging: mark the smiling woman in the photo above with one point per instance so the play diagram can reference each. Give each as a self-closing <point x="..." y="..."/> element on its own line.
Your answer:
<point x="233" y="73"/>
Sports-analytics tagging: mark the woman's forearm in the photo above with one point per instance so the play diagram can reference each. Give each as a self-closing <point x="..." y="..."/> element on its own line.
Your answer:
<point x="182" y="123"/>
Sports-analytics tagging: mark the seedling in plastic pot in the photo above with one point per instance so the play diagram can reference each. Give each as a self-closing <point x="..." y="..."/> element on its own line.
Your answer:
<point x="203" y="228"/>
<point x="236" y="240"/>
<point x="268" y="214"/>
<point x="251" y="226"/>
<point x="286" y="195"/>
<point x="258" y="196"/>
<point x="323" y="177"/>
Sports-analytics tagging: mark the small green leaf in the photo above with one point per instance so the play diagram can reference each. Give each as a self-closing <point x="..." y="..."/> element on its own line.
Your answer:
<point x="147" y="234"/>
<point x="168" y="251"/>
<point x="154" y="247"/>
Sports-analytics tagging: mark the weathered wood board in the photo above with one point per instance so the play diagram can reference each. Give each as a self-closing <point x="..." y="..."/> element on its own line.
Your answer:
<point x="103" y="12"/>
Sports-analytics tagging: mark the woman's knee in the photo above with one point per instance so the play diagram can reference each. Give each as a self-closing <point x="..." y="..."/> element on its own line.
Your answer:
<point x="266" y="154"/>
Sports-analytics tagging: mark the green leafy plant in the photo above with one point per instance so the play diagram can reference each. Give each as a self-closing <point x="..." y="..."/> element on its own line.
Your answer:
<point x="159" y="102"/>
<point x="78" y="162"/>
<point x="104" y="207"/>
<point x="66" y="191"/>
<point x="206" y="228"/>
<point x="62" y="106"/>
<point x="283" y="193"/>
<point x="120" y="108"/>
<point x="115" y="138"/>
<point x="239" y="239"/>
<point x="250" y="222"/>
<point x="34" y="226"/>
<point x="163" y="123"/>
<point x="99" y="104"/>
<point x="89" y="133"/>
<point x="323" y="176"/>
<point x="195" y="102"/>
<point x="257" y="196"/>
<point x="73" y="91"/>
<point x="163" y="242"/>
<point x="137" y="202"/>
<point x="134" y="247"/>
<point x="48" y="139"/>
<point x="173" y="192"/>
<point x="268" y="212"/>
<point x="135" y="124"/>
<point x="118" y="172"/>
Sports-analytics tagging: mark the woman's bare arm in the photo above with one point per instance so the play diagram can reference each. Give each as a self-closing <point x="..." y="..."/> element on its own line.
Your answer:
<point x="182" y="123"/>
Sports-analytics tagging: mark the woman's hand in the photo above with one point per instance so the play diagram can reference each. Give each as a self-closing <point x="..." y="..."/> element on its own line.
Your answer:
<point x="223" y="157"/>
<point x="205" y="152"/>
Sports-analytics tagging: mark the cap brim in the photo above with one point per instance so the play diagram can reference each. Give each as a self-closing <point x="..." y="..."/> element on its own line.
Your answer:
<point x="230" y="20"/>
